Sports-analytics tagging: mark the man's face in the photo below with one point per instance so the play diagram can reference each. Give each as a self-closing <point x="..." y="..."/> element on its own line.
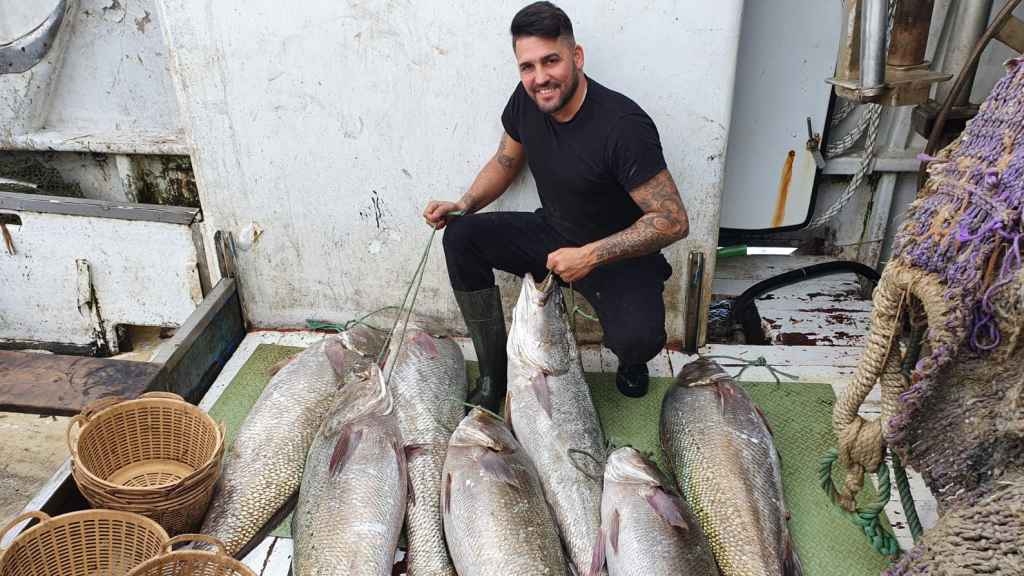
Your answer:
<point x="549" y="69"/>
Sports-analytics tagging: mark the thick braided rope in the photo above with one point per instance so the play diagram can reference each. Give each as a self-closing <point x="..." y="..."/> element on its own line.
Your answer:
<point x="861" y="442"/>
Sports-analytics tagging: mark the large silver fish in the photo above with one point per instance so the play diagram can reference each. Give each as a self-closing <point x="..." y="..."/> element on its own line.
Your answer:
<point x="725" y="463"/>
<point x="263" y="466"/>
<point x="352" y="500"/>
<point x="495" y="518"/>
<point x="646" y="529"/>
<point x="552" y="414"/>
<point x="428" y="383"/>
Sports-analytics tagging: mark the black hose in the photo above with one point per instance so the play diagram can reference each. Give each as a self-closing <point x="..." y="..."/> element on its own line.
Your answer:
<point x="752" y="327"/>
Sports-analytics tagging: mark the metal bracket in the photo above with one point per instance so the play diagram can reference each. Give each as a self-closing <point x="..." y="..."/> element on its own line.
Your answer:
<point x="695" y="318"/>
<point x="23" y="53"/>
<point x="814" y="145"/>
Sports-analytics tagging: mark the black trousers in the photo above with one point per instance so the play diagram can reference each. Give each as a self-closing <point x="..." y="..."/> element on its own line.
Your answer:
<point x="627" y="295"/>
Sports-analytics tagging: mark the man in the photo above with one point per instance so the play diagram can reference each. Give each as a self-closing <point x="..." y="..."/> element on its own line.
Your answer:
<point x="609" y="205"/>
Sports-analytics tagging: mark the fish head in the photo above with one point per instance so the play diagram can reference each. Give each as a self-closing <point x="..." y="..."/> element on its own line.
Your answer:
<point x="362" y="398"/>
<point x="628" y="466"/>
<point x="364" y="340"/>
<point x="540" y="333"/>
<point x="480" y="429"/>
<point x="702" y="372"/>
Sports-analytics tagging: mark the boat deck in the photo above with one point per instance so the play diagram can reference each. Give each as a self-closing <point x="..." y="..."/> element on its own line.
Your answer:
<point x="818" y="328"/>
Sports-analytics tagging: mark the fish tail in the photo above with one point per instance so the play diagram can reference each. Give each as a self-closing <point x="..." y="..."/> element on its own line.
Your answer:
<point x="791" y="565"/>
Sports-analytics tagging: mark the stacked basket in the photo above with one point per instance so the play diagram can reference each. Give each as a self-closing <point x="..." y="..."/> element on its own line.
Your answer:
<point x="158" y="456"/>
<point x="88" y="543"/>
<point x="192" y="562"/>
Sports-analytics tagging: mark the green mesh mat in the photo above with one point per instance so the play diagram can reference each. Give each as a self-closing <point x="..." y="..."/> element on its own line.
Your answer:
<point x="800" y="415"/>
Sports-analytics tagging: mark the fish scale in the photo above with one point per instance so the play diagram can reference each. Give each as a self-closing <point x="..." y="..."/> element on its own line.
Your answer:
<point x="429" y="385"/>
<point x="553" y="416"/>
<point x="722" y="455"/>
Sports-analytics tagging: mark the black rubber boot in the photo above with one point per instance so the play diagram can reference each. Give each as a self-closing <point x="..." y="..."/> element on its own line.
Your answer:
<point x="632" y="380"/>
<point x="486" y="324"/>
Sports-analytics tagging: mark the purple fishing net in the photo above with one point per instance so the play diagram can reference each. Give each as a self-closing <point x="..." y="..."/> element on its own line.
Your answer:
<point x="966" y="228"/>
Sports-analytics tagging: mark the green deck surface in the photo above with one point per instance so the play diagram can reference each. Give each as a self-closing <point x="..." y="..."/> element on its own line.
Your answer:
<point x="799" y="414"/>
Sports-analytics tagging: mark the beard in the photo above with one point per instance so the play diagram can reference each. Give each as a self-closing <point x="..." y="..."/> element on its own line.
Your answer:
<point x="574" y="85"/>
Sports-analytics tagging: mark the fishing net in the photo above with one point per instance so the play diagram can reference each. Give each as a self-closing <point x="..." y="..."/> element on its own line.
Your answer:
<point x="945" y="350"/>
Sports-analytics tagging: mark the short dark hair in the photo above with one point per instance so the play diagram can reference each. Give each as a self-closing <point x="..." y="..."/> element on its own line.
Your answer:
<point x="541" y="19"/>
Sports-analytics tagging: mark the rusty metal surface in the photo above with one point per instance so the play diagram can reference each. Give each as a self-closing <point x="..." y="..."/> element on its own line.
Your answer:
<point x="63" y="385"/>
<point x="1012" y="34"/>
<point x="910" y="28"/>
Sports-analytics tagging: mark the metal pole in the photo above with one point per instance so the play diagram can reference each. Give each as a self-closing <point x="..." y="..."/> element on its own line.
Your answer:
<point x="970" y="18"/>
<point x="873" y="24"/>
<point x="911" y="26"/>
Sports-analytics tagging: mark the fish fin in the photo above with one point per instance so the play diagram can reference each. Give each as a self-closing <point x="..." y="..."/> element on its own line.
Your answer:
<point x="335" y="352"/>
<point x="539" y="384"/>
<point x="725" y="392"/>
<point x="613" y="531"/>
<point x="426" y="343"/>
<point x="668" y="507"/>
<point x="791" y="564"/>
<point x="764" y="419"/>
<point x="403" y="463"/>
<point x="348" y="441"/>
<point x="447" y="503"/>
<point x="497" y="467"/>
<point x="598" y="560"/>
<point x="507" y="411"/>
<point x="280" y="364"/>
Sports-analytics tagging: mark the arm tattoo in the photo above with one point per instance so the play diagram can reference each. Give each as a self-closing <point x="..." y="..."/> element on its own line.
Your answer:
<point x="507" y="162"/>
<point x="664" y="221"/>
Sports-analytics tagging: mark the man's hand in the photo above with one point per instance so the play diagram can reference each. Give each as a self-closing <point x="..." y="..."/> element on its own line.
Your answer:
<point x="571" y="264"/>
<point x="437" y="212"/>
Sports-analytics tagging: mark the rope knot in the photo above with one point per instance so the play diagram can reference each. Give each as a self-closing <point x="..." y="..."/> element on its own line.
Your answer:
<point x="862" y="450"/>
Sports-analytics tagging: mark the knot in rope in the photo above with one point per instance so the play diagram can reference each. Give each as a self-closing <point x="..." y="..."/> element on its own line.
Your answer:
<point x="759" y="362"/>
<point x="862" y="450"/>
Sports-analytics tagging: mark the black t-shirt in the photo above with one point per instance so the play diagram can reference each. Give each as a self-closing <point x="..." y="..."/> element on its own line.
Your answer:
<point x="585" y="168"/>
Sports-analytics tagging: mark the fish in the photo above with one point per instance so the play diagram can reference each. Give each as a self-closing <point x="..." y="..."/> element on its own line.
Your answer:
<point x="352" y="500"/>
<point x="496" y="520"/>
<point x="552" y="414"/>
<point x="646" y="528"/>
<point x="427" y="377"/>
<point x="721" y="453"/>
<point x="365" y="340"/>
<point x="263" y="466"/>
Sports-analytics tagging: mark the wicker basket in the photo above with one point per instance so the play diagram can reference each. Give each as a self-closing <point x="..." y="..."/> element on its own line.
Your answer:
<point x="193" y="562"/>
<point x="158" y="456"/>
<point x="88" y="543"/>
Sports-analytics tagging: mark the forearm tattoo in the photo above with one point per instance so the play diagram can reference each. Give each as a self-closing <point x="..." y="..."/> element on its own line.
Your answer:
<point x="504" y="160"/>
<point x="664" y="221"/>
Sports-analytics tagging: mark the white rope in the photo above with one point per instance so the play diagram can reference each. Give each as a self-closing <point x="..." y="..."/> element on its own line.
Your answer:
<point x="868" y="124"/>
<point x="840" y="114"/>
<point x="840" y="146"/>
<point x="866" y="167"/>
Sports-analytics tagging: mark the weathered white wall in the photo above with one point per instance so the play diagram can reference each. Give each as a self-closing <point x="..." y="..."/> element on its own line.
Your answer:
<point x="330" y="125"/>
<point x="111" y="90"/>
<point x="143" y="274"/>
